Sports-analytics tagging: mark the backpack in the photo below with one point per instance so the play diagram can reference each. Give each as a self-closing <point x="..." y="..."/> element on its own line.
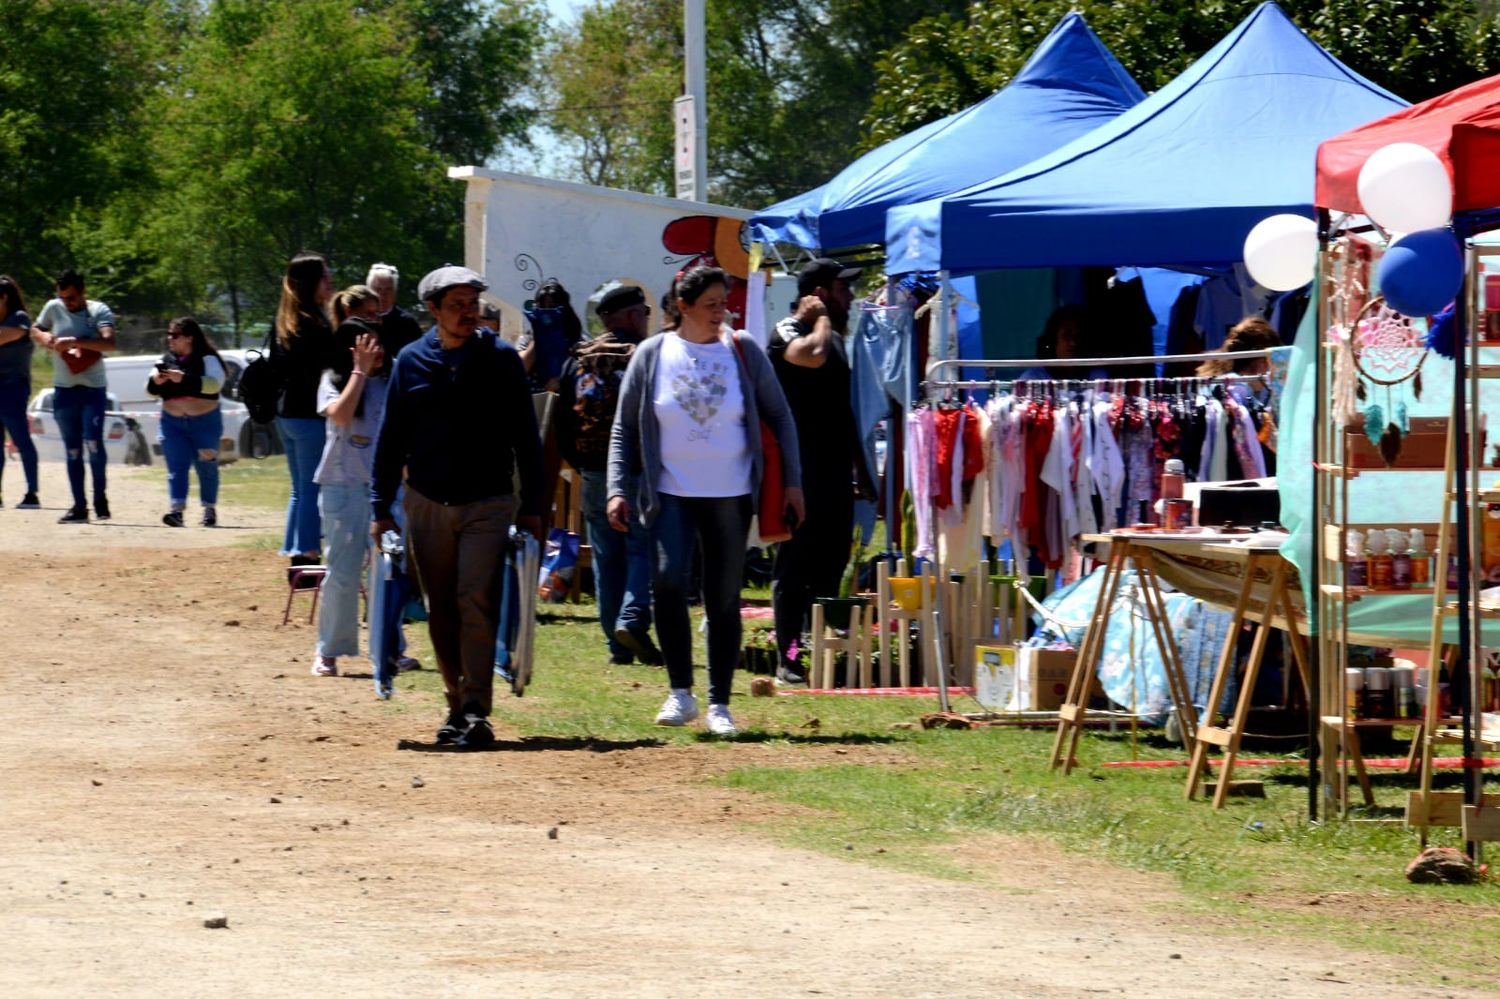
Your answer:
<point x="598" y="368"/>
<point x="260" y="386"/>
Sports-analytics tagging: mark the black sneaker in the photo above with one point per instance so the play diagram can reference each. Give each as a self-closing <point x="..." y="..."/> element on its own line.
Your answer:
<point x="477" y="734"/>
<point x="77" y="515"/>
<point x="29" y="502"/>
<point x="790" y="675"/>
<point x="621" y="658"/>
<point x="210" y="517"/>
<point x="173" y="519"/>
<point x="452" y="730"/>
<point x="640" y="645"/>
<point x="101" y="508"/>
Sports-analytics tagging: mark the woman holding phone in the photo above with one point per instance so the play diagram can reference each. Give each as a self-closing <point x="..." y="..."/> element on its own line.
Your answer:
<point x="188" y="379"/>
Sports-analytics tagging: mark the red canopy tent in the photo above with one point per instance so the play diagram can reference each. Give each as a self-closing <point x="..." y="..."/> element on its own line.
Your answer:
<point x="1462" y="127"/>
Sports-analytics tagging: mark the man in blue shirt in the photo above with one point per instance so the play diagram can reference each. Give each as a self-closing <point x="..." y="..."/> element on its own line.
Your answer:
<point x="459" y="421"/>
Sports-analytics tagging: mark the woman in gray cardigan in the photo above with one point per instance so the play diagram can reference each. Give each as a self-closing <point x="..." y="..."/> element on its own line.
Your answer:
<point x="685" y="451"/>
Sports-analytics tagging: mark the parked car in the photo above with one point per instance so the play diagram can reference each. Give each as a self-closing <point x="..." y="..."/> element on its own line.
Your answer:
<point x="124" y="438"/>
<point x="257" y="440"/>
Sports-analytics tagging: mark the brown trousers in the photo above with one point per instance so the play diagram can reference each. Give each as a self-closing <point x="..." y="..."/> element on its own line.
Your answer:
<point x="458" y="553"/>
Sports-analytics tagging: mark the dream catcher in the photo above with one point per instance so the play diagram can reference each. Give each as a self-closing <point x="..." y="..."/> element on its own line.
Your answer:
<point x="1383" y="349"/>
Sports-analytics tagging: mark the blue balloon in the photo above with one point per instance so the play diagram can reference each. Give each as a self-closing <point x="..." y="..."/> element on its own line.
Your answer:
<point x="1421" y="272"/>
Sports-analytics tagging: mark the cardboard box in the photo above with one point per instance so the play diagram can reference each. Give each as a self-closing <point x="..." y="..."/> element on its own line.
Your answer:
<point x="1042" y="677"/>
<point x="995" y="676"/>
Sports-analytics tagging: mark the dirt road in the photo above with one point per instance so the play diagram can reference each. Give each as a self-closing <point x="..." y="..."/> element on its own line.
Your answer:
<point x="167" y="757"/>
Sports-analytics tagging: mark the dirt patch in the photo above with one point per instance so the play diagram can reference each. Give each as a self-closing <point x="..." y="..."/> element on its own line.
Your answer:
<point x="167" y="758"/>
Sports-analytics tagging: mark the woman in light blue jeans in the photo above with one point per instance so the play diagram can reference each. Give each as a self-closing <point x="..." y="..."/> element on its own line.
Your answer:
<point x="352" y="402"/>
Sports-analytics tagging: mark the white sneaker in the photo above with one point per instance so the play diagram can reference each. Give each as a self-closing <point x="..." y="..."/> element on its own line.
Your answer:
<point x="325" y="666"/>
<point x="720" y="721"/>
<point x="678" y="709"/>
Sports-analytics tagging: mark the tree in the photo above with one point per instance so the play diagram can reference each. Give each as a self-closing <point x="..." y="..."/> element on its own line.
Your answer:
<point x="611" y="81"/>
<point x="1414" y="48"/>
<point x="325" y="125"/>
<point x="71" y="123"/>
<point x="787" y="84"/>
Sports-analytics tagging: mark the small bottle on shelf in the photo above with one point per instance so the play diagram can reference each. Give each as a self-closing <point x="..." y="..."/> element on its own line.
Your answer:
<point x="1378" y="700"/>
<point x="1401" y="571"/>
<point x="1421" y="561"/>
<point x="1380" y="562"/>
<point x="1356" y="566"/>
<point x="1404" y="691"/>
<point x="1354" y="693"/>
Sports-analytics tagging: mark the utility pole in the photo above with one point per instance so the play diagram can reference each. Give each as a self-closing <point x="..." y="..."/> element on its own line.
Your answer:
<point x="692" y="107"/>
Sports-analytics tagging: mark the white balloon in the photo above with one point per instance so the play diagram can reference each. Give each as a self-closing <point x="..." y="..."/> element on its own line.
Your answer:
<point x="1405" y="186"/>
<point x="1281" y="252"/>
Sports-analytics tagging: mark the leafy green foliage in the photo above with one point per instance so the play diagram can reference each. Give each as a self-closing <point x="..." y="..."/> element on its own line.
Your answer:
<point x="74" y="76"/>
<point x="1414" y="48"/>
<point x="185" y="150"/>
<point x="787" y="84"/>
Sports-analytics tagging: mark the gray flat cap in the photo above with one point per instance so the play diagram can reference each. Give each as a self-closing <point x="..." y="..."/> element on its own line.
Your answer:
<point x="448" y="276"/>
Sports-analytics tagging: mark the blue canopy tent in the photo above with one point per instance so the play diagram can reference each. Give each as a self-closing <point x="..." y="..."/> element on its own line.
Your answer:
<point x="1069" y="86"/>
<point x="1176" y="181"/>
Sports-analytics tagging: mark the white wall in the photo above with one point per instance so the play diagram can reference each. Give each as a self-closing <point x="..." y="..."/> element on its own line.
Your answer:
<point x="520" y="231"/>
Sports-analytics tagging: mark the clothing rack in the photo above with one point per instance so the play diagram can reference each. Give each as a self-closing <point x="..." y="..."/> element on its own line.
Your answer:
<point x="936" y="368"/>
<point x="992" y="383"/>
<point x="934" y="384"/>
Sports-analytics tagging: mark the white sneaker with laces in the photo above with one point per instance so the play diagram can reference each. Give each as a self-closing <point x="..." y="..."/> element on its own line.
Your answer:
<point x="678" y="709"/>
<point x="720" y="721"/>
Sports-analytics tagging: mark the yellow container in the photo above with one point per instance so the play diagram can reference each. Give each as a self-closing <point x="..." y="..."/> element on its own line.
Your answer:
<point x="906" y="591"/>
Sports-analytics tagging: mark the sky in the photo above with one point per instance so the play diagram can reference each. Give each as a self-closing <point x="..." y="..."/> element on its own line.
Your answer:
<point x="545" y="158"/>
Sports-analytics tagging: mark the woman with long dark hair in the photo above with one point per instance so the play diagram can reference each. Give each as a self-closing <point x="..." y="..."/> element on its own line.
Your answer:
<point x="688" y="421"/>
<point x="188" y="379"/>
<point x="301" y="349"/>
<point x="15" y="383"/>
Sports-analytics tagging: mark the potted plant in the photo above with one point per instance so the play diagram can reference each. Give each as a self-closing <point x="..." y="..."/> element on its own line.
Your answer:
<point x="837" y="610"/>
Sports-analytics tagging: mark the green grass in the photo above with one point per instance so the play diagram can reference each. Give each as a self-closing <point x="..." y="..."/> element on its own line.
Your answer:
<point x="917" y="800"/>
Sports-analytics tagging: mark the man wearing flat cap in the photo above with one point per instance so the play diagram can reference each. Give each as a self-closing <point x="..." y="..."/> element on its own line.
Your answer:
<point x="588" y="393"/>
<point x="808" y="355"/>
<point x="459" y="421"/>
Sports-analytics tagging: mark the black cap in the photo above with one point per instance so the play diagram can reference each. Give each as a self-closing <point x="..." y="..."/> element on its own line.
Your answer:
<point x="821" y="273"/>
<point x="621" y="296"/>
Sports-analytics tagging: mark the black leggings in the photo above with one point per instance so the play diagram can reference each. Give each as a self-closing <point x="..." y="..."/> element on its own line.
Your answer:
<point x="721" y="526"/>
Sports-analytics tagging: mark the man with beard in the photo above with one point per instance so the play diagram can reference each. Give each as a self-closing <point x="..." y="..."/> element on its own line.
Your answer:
<point x="809" y="356"/>
<point x="459" y="428"/>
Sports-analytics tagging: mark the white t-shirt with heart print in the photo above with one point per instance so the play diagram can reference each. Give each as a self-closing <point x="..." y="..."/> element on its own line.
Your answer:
<point x="700" y="409"/>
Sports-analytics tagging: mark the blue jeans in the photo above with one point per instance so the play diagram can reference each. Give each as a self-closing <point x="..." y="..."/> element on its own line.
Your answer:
<point x="14" y="394"/>
<point x="188" y="442"/>
<point x="79" y="410"/>
<point x="346" y="519"/>
<point x="622" y="564"/>
<point x="722" y="526"/>
<point x="302" y="438"/>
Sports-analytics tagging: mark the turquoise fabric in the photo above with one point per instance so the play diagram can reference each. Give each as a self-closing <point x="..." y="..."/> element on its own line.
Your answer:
<point x="1375" y="497"/>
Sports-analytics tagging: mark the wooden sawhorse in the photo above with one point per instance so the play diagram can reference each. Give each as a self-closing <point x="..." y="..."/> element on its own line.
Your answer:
<point x="1123" y="550"/>
<point x="1257" y="561"/>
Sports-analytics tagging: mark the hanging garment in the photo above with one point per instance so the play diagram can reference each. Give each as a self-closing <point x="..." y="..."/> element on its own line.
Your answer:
<point x="880" y="372"/>
<point x="1108" y="467"/>
<point x="921" y="448"/>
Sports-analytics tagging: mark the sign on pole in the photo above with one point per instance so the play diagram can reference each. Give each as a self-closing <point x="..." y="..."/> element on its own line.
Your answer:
<point x="684" y="113"/>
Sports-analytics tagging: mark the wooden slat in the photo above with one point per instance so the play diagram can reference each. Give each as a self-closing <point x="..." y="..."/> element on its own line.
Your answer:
<point x="1214" y="736"/>
<point x="1480" y="823"/>
<point x="1445" y="807"/>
